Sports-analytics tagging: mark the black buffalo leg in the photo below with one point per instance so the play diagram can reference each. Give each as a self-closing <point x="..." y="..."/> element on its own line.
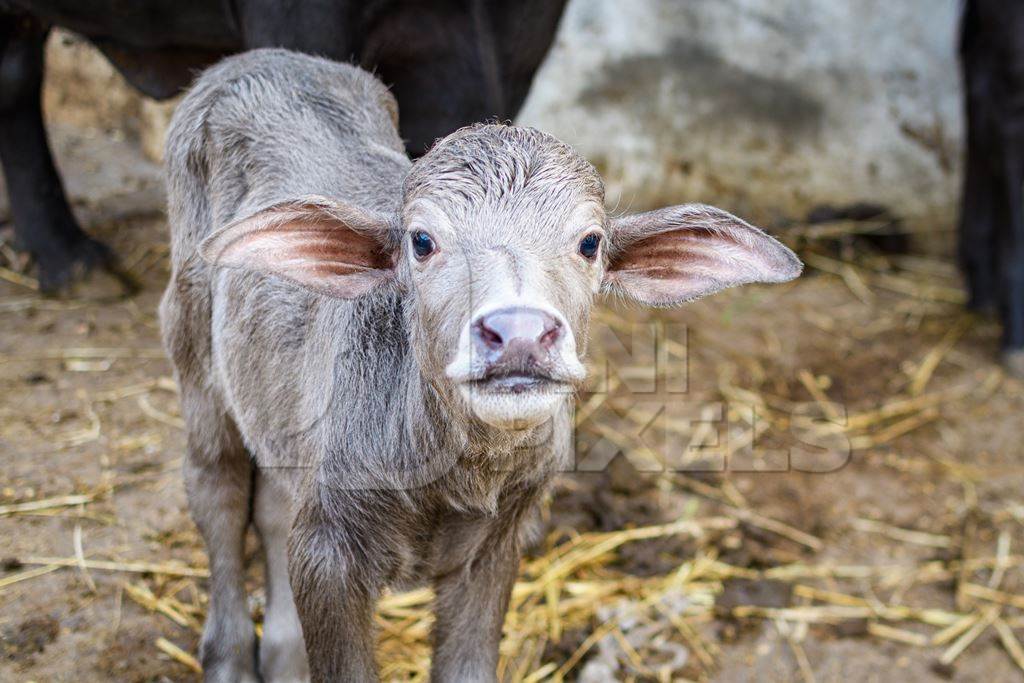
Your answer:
<point x="977" y="230"/>
<point x="1010" y="243"/>
<point x="43" y="222"/>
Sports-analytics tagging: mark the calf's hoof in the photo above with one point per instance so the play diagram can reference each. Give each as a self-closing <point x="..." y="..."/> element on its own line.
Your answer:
<point x="86" y="268"/>
<point x="228" y="654"/>
<point x="229" y="671"/>
<point x="1013" y="363"/>
<point x="283" y="662"/>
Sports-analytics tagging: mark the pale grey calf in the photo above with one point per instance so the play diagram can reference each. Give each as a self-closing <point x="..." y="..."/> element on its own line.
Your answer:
<point x="377" y="358"/>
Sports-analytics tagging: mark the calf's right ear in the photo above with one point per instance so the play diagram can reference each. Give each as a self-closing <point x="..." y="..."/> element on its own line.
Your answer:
<point x="327" y="246"/>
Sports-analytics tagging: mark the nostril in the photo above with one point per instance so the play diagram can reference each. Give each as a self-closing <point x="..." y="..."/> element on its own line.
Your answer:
<point x="552" y="331"/>
<point x="488" y="336"/>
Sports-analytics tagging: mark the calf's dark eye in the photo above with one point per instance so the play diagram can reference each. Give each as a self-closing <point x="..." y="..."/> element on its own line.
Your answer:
<point x="589" y="245"/>
<point x="422" y="244"/>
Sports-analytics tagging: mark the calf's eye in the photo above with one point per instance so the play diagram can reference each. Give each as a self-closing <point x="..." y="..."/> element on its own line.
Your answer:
<point x="422" y="244"/>
<point x="589" y="245"/>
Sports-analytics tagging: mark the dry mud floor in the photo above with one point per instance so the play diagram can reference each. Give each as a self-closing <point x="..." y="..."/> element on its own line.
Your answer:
<point x="672" y="555"/>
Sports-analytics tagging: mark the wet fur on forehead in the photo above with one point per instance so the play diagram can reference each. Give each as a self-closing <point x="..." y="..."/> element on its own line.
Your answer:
<point x="486" y="164"/>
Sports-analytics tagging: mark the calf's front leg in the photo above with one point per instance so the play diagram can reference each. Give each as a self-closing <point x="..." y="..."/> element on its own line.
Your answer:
<point x="336" y="586"/>
<point x="470" y="609"/>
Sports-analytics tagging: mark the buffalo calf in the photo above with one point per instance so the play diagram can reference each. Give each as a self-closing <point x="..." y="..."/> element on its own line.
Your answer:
<point x="380" y="356"/>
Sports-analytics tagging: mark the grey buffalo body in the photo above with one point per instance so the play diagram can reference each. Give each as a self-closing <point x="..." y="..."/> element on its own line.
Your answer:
<point x="377" y="359"/>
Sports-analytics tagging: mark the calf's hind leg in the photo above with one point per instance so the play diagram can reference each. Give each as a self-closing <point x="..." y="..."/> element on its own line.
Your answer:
<point x="282" y="650"/>
<point x="218" y="481"/>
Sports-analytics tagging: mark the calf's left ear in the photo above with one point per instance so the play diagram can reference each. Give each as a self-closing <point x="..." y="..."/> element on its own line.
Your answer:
<point x="324" y="245"/>
<point x="681" y="253"/>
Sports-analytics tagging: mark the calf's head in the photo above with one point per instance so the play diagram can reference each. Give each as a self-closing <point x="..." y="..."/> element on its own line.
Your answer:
<point x="501" y="244"/>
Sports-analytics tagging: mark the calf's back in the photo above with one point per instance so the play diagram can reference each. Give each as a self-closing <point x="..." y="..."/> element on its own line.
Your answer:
<point x="256" y="130"/>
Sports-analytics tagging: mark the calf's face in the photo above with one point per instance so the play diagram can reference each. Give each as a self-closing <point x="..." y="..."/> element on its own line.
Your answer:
<point x="502" y="244"/>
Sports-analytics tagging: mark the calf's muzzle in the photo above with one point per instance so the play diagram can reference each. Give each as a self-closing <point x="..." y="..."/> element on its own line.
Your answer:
<point x="516" y="341"/>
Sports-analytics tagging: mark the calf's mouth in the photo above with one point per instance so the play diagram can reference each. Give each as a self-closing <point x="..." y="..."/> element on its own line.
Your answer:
<point x="521" y="374"/>
<point x="519" y="382"/>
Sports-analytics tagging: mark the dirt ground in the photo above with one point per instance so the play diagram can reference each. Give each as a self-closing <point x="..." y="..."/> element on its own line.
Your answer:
<point x="902" y="562"/>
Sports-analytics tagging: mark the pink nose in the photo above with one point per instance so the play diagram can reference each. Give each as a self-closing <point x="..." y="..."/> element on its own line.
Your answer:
<point x="528" y="330"/>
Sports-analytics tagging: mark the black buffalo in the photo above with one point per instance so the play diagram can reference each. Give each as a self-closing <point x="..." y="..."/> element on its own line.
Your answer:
<point x="992" y="220"/>
<point x="448" y="62"/>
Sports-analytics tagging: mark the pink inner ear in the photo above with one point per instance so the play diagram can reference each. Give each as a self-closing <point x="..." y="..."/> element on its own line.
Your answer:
<point x="667" y="269"/>
<point x="337" y="247"/>
<point x="686" y="263"/>
<point x="333" y="250"/>
<point x="668" y="254"/>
